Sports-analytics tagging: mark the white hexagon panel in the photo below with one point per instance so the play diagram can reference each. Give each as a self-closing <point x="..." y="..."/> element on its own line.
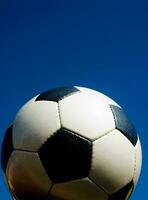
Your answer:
<point x="98" y="95"/>
<point x="82" y="189"/>
<point x="84" y="114"/>
<point x="34" y="124"/>
<point x="113" y="161"/>
<point x="26" y="175"/>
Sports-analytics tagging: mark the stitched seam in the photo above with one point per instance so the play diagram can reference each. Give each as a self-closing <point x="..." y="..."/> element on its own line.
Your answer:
<point x="60" y="119"/>
<point x="68" y="95"/>
<point x="49" y="191"/>
<point x="135" y="165"/>
<point x="99" y="186"/>
<point x="103" y="135"/>
<point x="77" y="134"/>
<point x="24" y="150"/>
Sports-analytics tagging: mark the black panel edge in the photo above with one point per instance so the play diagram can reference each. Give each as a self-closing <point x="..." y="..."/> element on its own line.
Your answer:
<point x="57" y="94"/>
<point x="124" y="193"/>
<point x="124" y="125"/>
<point x="54" y="175"/>
<point x="7" y="147"/>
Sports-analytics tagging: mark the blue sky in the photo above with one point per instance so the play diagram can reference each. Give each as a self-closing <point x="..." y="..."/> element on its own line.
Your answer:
<point x="102" y="45"/>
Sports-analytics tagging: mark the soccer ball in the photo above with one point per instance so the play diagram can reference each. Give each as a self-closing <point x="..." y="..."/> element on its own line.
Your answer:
<point x="71" y="143"/>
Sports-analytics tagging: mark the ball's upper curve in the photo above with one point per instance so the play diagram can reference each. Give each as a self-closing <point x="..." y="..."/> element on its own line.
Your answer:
<point x="74" y="136"/>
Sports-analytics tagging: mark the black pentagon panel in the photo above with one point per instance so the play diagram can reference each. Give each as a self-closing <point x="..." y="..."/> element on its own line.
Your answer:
<point x="124" y="193"/>
<point x="124" y="124"/>
<point x="66" y="156"/>
<point x="7" y="147"/>
<point x="57" y="94"/>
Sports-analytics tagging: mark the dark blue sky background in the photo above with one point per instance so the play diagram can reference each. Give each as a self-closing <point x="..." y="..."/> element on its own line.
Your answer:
<point x="102" y="45"/>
